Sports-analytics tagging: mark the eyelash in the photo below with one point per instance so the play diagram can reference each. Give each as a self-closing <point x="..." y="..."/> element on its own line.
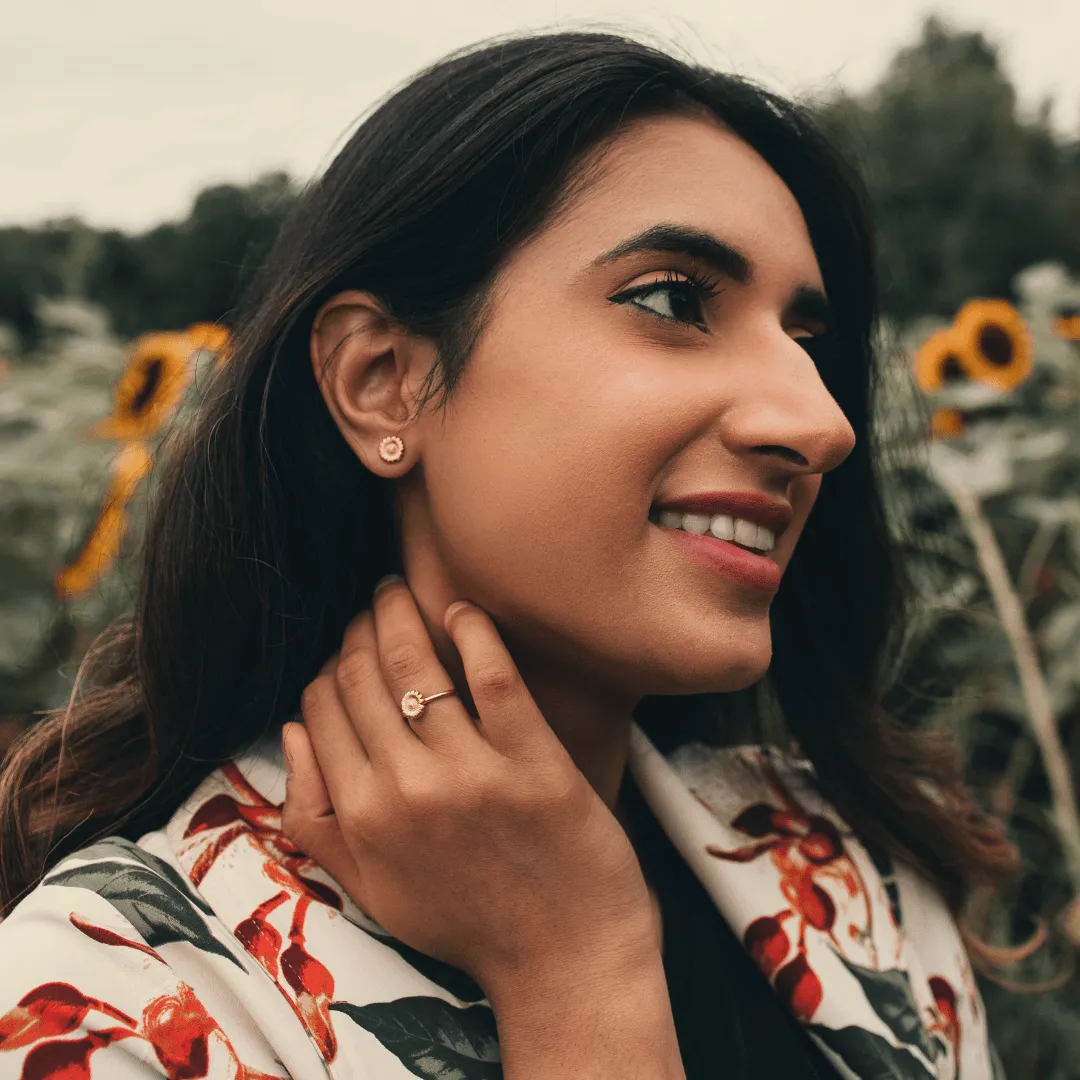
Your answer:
<point x="702" y="287"/>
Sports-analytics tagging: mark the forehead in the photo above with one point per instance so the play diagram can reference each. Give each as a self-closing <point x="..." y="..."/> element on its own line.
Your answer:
<point x="689" y="171"/>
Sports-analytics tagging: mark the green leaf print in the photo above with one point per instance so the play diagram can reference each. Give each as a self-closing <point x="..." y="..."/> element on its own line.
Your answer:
<point x="432" y="1038"/>
<point x="156" y="907"/>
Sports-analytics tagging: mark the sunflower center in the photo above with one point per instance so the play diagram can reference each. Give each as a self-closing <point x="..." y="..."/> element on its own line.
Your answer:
<point x="995" y="345"/>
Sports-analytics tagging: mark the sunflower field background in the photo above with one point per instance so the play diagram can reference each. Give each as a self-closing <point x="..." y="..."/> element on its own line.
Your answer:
<point x="105" y="339"/>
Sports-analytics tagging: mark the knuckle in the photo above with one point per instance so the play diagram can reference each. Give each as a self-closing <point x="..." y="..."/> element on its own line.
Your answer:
<point x="313" y="697"/>
<point x="495" y="684"/>
<point x="353" y="670"/>
<point x="356" y="819"/>
<point x="402" y="662"/>
<point x="420" y="792"/>
<point x="293" y="825"/>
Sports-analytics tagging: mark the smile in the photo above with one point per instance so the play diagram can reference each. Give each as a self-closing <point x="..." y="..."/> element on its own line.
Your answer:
<point x="739" y="531"/>
<point x="705" y="539"/>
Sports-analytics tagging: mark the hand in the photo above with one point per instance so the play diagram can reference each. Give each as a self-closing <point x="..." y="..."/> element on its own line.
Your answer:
<point x="478" y="843"/>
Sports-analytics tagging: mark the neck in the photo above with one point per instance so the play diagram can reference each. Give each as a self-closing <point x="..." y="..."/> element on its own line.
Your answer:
<point x="590" y="717"/>
<point x="593" y="724"/>
<point x="594" y="728"/>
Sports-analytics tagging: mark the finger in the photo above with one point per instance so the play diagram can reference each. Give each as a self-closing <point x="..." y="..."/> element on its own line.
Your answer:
<point x="307" y="816"/>
<point x="305" y="790"/>
<point x="409" y="662"/>
<point x="508" y="714"/>
<point x="338" y="748"/>
<point x="369" y="704"/>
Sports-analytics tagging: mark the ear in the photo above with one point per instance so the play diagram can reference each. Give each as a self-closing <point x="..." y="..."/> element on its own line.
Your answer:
<point x="368" y="369"/>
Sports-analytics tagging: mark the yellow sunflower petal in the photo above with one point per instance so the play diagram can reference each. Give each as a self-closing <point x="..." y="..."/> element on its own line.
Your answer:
<point x="1068" y="327"/>
<point x="101" y="547"/>
<point x="96" y="556"/>
<point x="998" y="342"/>
<point x="947" y="424"/>
<point x="941" y="358"/>
<point x="208" y="336"/>
<point x="152" y="384"/>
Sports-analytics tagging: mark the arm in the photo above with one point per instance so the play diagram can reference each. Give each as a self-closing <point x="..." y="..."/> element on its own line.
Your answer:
<point x="589" y="1022"/>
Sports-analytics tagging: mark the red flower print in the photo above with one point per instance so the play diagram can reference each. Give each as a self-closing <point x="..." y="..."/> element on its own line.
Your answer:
<point x="108" y="937"/>
<point x="260" y="938"/>
<point x="799" y="988"/>
<point x="49" y="1010"/>
<point x="68" y="1059"/>
<point x="312" y="984"/>
<point x="180" y="1030"/>
<point x="178" y="1027"/>
<point x="807" y="850"/>
<point x="260" y="822"/>
<point x="948" y="1019"/>
<point x="767" y="943"/>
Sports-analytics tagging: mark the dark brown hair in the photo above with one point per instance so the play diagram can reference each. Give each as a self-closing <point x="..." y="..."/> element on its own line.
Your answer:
<point x="266" y="534"/>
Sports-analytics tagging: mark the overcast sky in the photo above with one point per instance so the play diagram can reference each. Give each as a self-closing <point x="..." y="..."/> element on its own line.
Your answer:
<point x="120" y="110"/>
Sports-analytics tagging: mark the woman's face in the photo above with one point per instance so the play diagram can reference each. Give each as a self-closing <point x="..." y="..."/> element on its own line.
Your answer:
<point x="642" y="349"/>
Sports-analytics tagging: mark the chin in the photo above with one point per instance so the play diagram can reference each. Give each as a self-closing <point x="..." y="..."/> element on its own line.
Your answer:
<point x="714" y="671"/>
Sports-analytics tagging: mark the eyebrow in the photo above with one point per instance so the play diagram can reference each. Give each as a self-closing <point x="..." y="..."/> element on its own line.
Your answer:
<point x="807" y="302"/>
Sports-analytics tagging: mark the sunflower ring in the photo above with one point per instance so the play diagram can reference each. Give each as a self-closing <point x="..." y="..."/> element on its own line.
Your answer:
<point x="413" y="702"/>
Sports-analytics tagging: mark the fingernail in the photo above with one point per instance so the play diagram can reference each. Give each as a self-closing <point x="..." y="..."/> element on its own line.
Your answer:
<point x="389" y="579"/>
<point x="454" y="608"/>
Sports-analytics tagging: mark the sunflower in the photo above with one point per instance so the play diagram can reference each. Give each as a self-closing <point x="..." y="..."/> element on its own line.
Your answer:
<point x="942" y="358"/>
<point x="999" y="344"/>
<point x="101" y="547"/>
<point x="210" y="337"/>
<point x="1067" y="325"/>
<point x="947" y="424"/>
<point x="151" y="386"/>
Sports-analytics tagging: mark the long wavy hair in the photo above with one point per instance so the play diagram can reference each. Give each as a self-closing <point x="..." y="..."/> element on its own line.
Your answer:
<point x="266" y="534"/>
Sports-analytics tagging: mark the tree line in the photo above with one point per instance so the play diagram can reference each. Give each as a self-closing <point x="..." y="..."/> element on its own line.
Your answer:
<point x="965" y="188"/>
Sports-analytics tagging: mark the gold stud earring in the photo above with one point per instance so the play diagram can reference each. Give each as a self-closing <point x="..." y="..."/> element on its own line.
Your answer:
<point x="391" y="448"/>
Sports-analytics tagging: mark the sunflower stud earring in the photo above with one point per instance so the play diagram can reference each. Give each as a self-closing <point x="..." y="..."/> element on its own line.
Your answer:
<point x="391" y="448"/>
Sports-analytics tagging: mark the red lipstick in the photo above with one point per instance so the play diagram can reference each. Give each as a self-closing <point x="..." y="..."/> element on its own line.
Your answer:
<point x="757" y="571"/>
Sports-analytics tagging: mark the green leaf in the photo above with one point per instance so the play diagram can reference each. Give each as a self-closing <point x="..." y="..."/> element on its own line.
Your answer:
<point x="112" y="846"/>
<point x="890" y="996"/>
<point x="432" y="1038"/>
<point x="159" y="911"/>
<point x="869" y="1056"/>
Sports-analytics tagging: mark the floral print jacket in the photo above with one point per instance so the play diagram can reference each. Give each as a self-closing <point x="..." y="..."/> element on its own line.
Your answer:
<point x="213" y="948"/>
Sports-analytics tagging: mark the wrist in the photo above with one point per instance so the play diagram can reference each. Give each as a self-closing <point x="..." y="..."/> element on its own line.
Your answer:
<point x="628" y="952"/>
<point x="589" y="1020"/>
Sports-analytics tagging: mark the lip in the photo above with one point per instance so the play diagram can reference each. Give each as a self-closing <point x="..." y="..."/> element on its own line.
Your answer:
<point x="755" y="571"/>
<point x="749" y="505"/>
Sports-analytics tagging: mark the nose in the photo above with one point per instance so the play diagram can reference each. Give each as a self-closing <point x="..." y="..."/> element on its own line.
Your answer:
<point x="784" y="411"/>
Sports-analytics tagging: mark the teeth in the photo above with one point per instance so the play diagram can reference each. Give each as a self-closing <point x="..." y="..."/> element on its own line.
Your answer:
<point x="723" y="527"/>
<point x="745" y="533"/>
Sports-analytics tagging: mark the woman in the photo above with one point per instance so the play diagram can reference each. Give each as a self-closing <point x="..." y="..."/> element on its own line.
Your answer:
<point x="640" y="296"/>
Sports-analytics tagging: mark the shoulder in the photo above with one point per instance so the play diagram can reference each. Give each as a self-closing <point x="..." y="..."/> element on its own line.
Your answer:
<point x="90" y="975"/>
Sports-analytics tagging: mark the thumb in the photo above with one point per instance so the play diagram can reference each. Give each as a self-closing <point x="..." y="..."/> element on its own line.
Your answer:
<point x="307" y="816"/>
<point x="305" y="790"/>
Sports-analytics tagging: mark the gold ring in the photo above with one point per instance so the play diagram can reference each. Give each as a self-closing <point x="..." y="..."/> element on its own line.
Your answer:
<point x="413" y="702"/>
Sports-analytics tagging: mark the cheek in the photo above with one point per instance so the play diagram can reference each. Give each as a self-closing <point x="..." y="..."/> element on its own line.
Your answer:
<point x="802" y="493"/>
<point x="534" y="482"/>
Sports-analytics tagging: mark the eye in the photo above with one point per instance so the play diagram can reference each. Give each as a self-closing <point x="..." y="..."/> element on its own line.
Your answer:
<point x="679" y="299"/>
